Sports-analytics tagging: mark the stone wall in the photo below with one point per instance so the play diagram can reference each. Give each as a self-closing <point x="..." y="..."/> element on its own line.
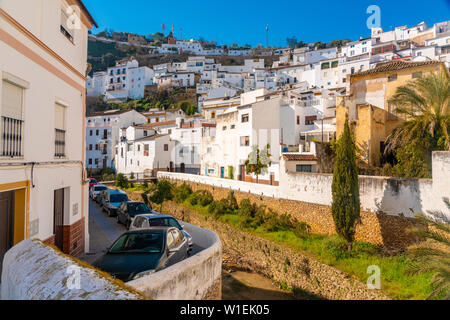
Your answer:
<point x="35" y="271"/>
<point x="278" y="262"/>
<point x="196" y="278"/>
<point x="377" y="228"/>
<point x="387" y="204"/>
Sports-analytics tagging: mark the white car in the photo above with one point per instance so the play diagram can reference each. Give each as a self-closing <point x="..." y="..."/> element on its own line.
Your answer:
<point x="95" y="190"/>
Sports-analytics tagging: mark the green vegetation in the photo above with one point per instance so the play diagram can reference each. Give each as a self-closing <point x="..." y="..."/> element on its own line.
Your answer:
<point x="122" y="181"/>
<point x="345" y="188"/>
<point x="425" y="104"/>
<point x="258" y="161"/>
<point x="160" y="192"/>
<point x="421" y="272"/>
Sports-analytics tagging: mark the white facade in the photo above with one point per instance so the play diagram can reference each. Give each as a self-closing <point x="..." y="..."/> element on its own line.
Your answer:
<point x="42" y="92"/>
<point x="103" y="134"/>
<point x="144" y="151"/>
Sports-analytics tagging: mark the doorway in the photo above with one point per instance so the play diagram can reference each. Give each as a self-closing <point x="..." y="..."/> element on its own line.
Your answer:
<point x="183" y="168"/>
<point x="242" y="175"/>
<point x="58" y="219"/>
<point x="6" y="223"/>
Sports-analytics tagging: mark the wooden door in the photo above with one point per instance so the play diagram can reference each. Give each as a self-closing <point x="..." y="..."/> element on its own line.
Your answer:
<point x="58" y="218"/>
<point x="6" y="223"/>
<point x="242" y="176"/>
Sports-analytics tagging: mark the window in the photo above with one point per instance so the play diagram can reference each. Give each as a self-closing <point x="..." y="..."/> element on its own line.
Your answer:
<point x="90" y="133"/>
<point x="145" y="133"/>
<point x="245" y="141"/>
<point x="96" y="147"/>
<point x="298" y="120"/>
<point x="224" y="128"/>
<point x="309" y="121"/>
<point x="90" y="161"/>
<point x="416" y="75"/>
<point x="166" y="147"/>
<point x="66" y="22"/>
<point x="97" y="132"/>
<point x="392" y="77"/>
<point x="233" y="127"/>
<point x="90" y="147"/>
<point x="96" y="162"/>
<point x="364" y="50"/>
<point x="139" y="148"/>
<point x="245" y="118"/>
<point x="213" y="115"/>
<point x="303" y="168"/>
<point x="60" y="131"/>
<point x="11" y="120"/>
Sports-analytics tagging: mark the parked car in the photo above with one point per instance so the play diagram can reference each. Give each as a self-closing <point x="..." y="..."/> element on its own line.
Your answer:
<point x="128" y="210"/>
<point x="111" y="200"/>
<point x="95" y="191"/>
<point x="138" y="253"/>
<point x="92" y="182"/>
<point x="145" y="221"/>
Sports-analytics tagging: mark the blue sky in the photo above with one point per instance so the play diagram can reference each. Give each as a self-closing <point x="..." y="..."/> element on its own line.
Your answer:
<point x="244" y="21"/>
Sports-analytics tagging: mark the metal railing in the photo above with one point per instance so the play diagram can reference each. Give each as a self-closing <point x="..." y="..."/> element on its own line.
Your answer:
<point x="11" y="137"/>
<point x="60" y="143"/>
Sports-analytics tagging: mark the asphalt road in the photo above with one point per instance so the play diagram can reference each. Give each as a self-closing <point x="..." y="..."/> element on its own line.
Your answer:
<point x="103" y="231"/>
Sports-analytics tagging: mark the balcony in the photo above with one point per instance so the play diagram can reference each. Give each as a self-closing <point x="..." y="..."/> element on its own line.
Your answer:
<point x="11" y="137"/>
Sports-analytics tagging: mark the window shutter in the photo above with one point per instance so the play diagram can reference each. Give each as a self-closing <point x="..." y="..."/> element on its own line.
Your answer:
<point x="60" y="122"/>
<point x="12" y="101"/>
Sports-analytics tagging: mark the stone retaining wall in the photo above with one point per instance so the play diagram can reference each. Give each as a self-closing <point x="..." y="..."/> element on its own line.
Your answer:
<point x="278" y="262"/>
<point x="375" y="227"/>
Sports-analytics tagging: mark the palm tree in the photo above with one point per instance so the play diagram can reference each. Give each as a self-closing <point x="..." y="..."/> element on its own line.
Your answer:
<point x="425" y="105"/>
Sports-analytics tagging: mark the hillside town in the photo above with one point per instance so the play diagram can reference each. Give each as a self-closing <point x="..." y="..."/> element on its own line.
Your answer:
<point x="152" y="167"/>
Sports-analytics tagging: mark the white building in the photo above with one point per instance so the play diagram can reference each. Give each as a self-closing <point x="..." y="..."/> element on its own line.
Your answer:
<point x="43" y="183"/>
<point x="239" y="52"/>
<point x="103" y="134"/>
<point x="125" y="80"/>
<point x="143" y="151"/>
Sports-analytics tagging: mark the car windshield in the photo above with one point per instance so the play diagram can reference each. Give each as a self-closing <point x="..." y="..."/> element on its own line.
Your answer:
<point x="164" y="222"/>
<point x="134" y="208"/>
<point x="118" y="197"/>
<point x="100" y="188"/>
<point x="93" y="181"/>
<point x="139" y="243"/>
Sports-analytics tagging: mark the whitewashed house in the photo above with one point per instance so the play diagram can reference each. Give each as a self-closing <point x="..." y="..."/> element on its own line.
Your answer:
<point x="143" y="152"/>
<point x="43" y="182"/>
<point x="103" y="134"/>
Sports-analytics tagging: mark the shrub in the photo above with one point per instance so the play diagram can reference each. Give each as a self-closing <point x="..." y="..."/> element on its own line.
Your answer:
<point x="231" y="201"/>
<point x="302" y="229"/>
<point x="181" y="193"/>
<point x="122" y="181"/>
<point x="201" y="197"/>
<point x="219" y="208"/>
<point x="246" y="208"/>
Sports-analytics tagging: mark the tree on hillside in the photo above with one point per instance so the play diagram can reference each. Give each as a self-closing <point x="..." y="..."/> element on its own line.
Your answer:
<point x="258" y="161"/>
<point x="345" y="188"/>
<point x="425" y="104"/>
<point x="160" y="192"/>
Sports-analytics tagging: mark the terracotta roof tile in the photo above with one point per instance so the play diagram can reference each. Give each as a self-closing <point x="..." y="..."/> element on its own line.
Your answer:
<point x="299" y="157"/>
<point x="395" y="66"/>
<point x="156" y="124"/>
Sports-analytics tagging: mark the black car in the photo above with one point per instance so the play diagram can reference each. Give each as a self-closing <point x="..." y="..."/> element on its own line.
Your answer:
<point x="138" y="253"/>
<point x="128" y="210"/>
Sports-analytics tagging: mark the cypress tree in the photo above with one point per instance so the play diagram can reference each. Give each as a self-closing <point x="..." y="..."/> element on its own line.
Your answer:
<point x="345" y="188"/>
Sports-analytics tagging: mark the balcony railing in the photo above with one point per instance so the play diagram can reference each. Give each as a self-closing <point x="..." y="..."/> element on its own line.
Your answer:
<point x="11" y="137"/>
<point x="60" y="143"/>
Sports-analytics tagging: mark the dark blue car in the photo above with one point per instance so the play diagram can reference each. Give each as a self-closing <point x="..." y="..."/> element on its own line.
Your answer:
<point x="138" y="253"/>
